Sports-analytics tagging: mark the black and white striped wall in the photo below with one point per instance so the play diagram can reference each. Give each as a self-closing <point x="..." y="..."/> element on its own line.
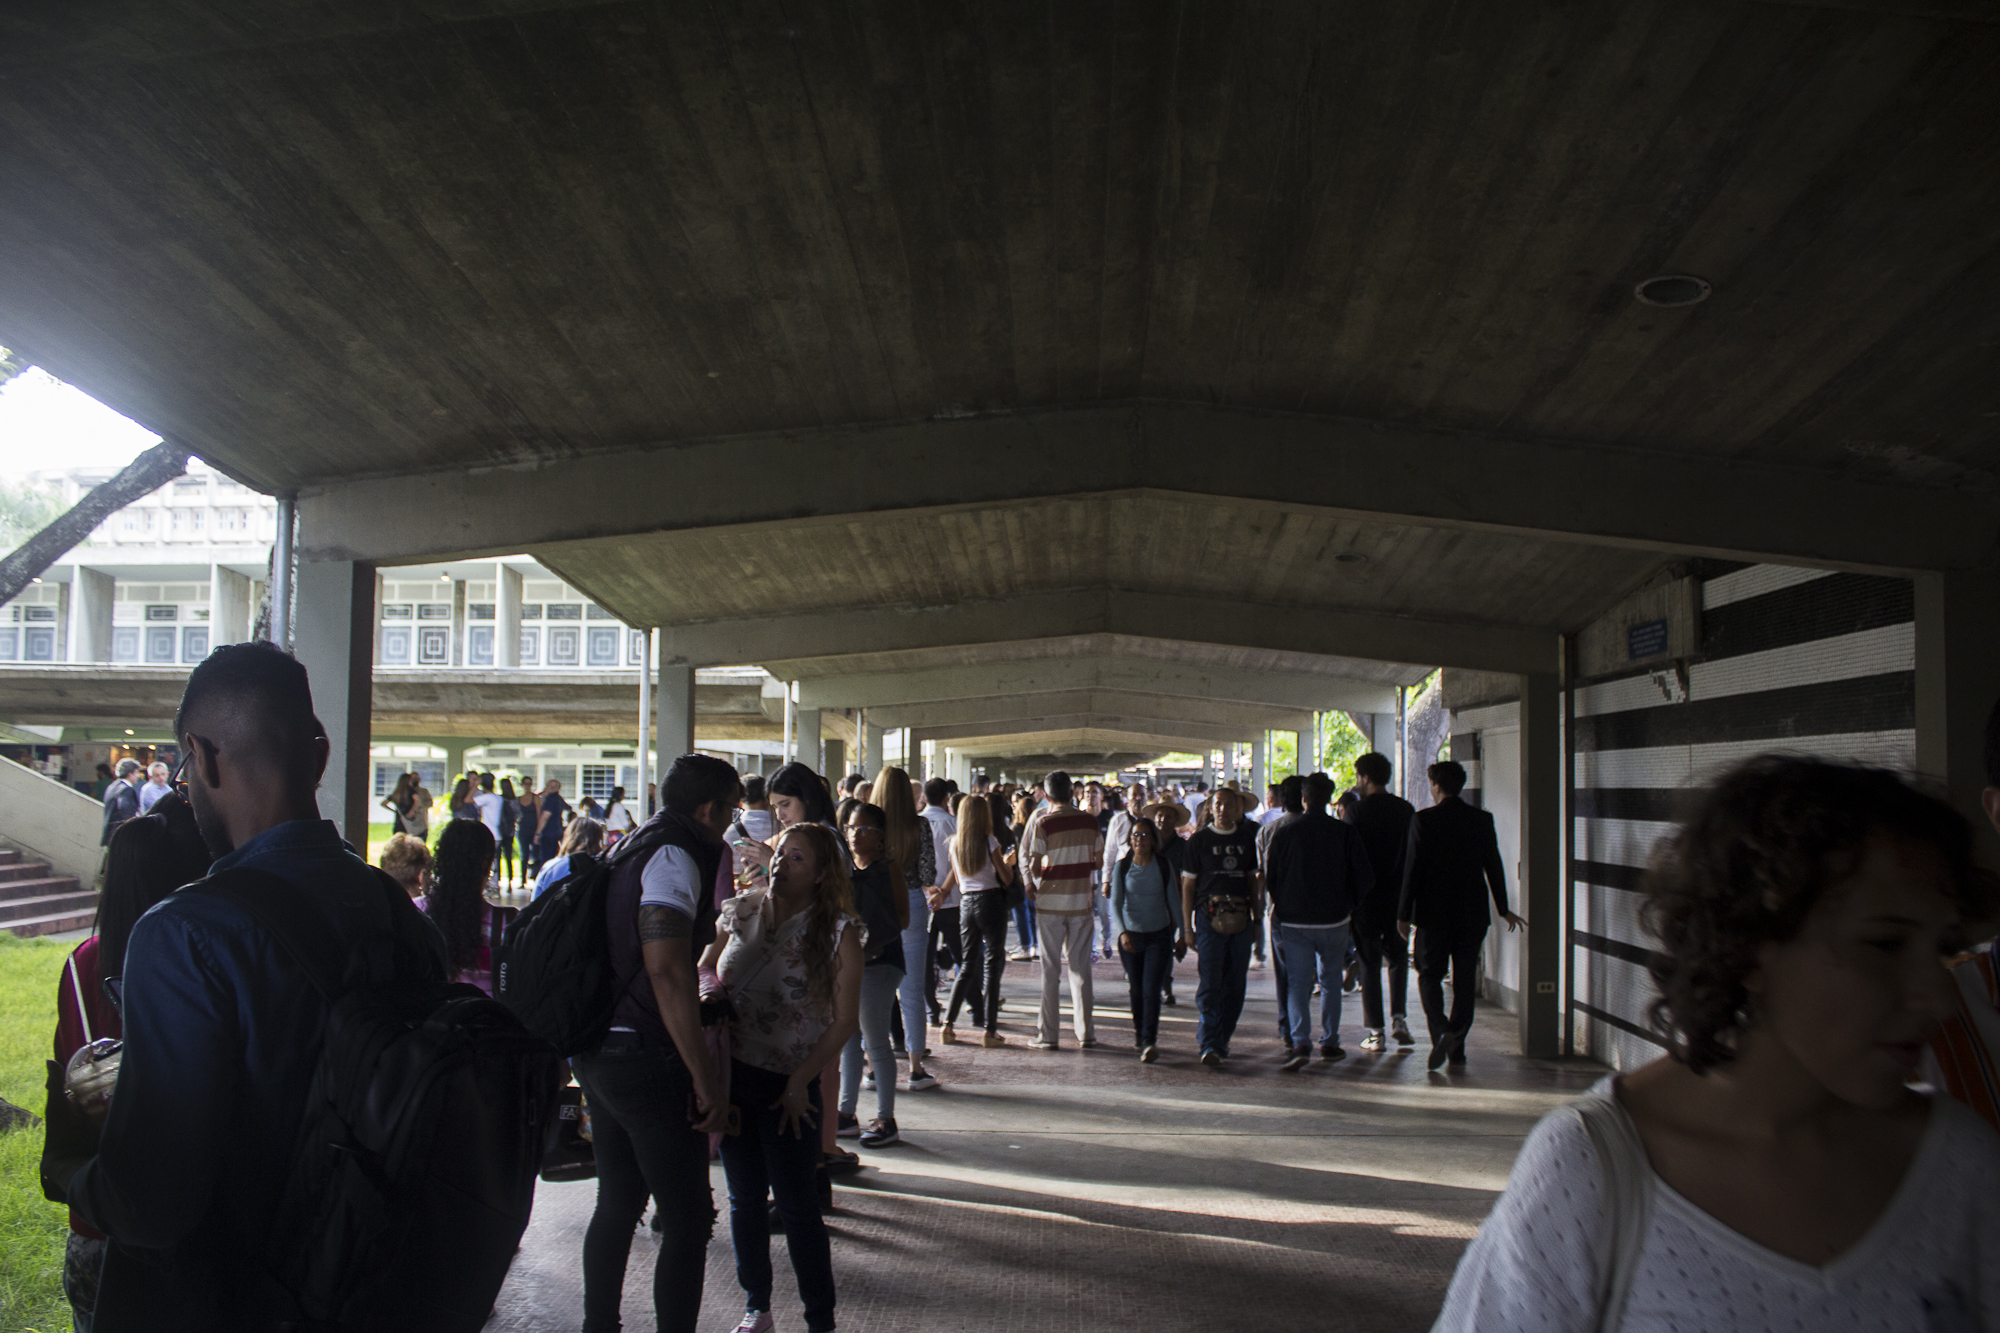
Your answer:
<point x="1796" y="660"/>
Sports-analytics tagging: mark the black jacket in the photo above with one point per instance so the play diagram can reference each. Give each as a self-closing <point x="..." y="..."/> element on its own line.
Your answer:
<point x="1452" y="862"/>
<point x="1318" y="872"/>
<point x="1383" y="821"/>
<point x="121" y="802"/>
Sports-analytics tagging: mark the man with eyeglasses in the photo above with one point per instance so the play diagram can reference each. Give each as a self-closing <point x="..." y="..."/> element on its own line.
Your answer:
<point x="121" y="799"/>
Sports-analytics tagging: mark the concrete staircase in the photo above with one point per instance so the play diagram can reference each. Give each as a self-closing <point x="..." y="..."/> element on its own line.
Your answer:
<point x="36" y="901"/>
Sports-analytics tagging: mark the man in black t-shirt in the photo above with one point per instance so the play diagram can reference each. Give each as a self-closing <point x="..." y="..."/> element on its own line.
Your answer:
<point x="1218" y="878"/>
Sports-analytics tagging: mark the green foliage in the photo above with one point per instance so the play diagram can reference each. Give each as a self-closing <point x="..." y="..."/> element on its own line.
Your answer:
<point x="1340" y="744"/>
<point x="25" y="509"/>
<point x="11" y="365"/>
<point x="32" y="1229"/>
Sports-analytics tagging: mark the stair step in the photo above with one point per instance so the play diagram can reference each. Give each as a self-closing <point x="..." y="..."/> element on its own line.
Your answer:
<point x="15" y="889"/>
<point x="53" y="923"/>
<point x="8" y="856"/>
<point x="19" y="869"/>
<point x="77" y="900"/>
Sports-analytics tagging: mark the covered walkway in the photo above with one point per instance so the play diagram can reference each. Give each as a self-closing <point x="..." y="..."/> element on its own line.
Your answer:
<point x="1082" y="1190"/>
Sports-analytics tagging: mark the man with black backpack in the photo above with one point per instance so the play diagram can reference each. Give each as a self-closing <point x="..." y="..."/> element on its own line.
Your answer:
<point x="240" y="1179"/>
<point x="654" y="1094"/>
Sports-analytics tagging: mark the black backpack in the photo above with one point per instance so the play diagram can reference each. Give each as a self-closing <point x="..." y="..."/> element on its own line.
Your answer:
<point x="414" y="1171"/>
<point x="553" y="968"/>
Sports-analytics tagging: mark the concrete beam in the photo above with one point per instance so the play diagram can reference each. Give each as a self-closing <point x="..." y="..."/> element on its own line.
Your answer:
<point x="1296" y="691"/>
<point x="1131" y="733"/>
<point x="1333" y="633"/>
<point x="1236" y="718"/>
<point x="1675" y="502"/>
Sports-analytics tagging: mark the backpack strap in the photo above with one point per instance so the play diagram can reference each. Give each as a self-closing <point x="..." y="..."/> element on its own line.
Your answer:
<point x="305" y="932"/>
<point x="1628" y="1200"/>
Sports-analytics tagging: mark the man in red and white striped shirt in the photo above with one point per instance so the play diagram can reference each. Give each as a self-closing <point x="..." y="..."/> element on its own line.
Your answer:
<point x="1063" y="847"/>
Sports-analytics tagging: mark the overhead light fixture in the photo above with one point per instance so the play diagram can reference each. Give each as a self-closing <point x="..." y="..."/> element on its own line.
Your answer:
<point x="128" y="731"/>
<point x="37" y="580"/>
<point x="444" y="578"/>
<point x="1675" y="289"/>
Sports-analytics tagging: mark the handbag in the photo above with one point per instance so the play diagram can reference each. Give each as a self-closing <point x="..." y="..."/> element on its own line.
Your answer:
<point x="567" y="1152"/>
<point x="1228" y="914"/>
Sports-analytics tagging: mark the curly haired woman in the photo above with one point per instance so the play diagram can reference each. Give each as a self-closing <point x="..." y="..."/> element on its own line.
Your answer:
<point x="1784" y="1174"/>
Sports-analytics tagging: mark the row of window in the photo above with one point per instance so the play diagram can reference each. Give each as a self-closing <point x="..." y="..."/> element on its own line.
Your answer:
<point x="597" y="779"/>
<point x="487" y="611"/>
<point x="135" y="521"/>
<point x="159" y="643"/>
<point x="558" y="645"/>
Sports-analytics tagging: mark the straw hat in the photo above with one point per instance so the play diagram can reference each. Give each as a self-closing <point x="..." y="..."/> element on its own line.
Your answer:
<point x="1170" y="814"/>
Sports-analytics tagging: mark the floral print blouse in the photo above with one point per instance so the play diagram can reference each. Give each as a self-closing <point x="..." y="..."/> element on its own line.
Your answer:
<point x="763" y="966"/>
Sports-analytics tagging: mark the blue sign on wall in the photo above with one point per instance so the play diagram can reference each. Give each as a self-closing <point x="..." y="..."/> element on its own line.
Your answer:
<point x="1647" y="640"/>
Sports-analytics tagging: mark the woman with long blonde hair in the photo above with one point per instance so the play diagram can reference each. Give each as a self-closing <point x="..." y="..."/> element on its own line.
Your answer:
<point x="983" y="874"/>
<point x="790" y="957"/>
<point x="908" y="836"/>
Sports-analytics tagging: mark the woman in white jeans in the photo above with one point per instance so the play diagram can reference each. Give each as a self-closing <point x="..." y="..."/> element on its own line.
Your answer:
<point x="883" y="903"/>
<point x="908" y="836"/>
<point x="1777" y="1170"/>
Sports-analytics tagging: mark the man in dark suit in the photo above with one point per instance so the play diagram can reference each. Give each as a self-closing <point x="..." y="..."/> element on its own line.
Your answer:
<point x="1452" y="863"/>
<point x="1382" y="818"/>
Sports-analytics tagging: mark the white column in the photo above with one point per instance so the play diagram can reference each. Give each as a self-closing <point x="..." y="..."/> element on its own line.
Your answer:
<point x="676" y="712"/>
<point x="806" y="724"/>
<point x="791" y="750"/>
<point x="335" y="607"/>
<point x="91" y="593"/>
<point x="507" y="624"/>
<point x="644" y="751"/>
<point x="229" y="606"/>
<point x="874" y="758"/>
<point x="1258" y="780"/>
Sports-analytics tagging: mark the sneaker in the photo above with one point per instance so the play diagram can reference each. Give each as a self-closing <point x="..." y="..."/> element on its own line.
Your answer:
<point x="868" y="1081"/>
<point x="992" y="1039"/>
<point x="880" y="1134"/>
<point x="840" y="1162"/>
<point x="755" y="1321"/>
<point x="948" y="1035"/>
<point x="1149" y="1055"/>
<point x="1168" y="1000"/>
<point x="1256" y="965"/>
<point x="1350" y="979"/>
<point x="923" y="1082"/>
<point x="1211" y="1058"/>
<point x="1331" y="1053"/>
<point x="1399" y="1028"/>
<point x="1044" y="1046"/>
<point x="1297" y="1059"/>
<point x="850" y="1125"/>
<point x="1017" y="955"/>
<point x="1087" y="1042"/>
<point x="1373" y="1041"/>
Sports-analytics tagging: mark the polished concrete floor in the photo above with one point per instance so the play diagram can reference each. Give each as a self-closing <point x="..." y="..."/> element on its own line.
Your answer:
<point x="1080" y="1189"/>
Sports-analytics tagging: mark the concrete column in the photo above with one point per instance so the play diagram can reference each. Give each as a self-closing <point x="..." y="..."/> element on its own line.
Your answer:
<point x="806" y="720"/>
<point x="1958" y="681"/>
<point x="507" y="619"/>
<point x="836" y="757"/>
<point x="873" y="758"/>
<point x="91" y="593"/>
<point x="1229" y="761"/>
<point x="1538" y="895"/>
<point x="458" y="622"/>
<point x="1382" y="738"/>
<point x="958" y="768"/>
<point x="334" y="603"/>
<point x="1258" y="770"/>
<point x="229" y="608"/>
<point x="454" y="768"/>
<point x="791" y="749"/>
<point x="644" y="752"/>
<point x="676" y="695"/>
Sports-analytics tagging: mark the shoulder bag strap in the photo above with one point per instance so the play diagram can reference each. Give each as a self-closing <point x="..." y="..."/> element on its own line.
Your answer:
<point x="76" y="989"/>
<point x="1628" y="1202"/>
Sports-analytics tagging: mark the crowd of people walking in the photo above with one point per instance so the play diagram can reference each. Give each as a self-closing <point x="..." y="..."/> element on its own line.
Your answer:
<point x="781" y="946"/>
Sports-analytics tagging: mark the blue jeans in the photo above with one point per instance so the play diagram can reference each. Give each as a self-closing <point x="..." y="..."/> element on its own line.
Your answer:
<point x="916" y="1007"/>
<point x="1024" y="927"/>
<point x="1224" y="979"/>
<point x="878" y="995"/>
<point x="760" y="1162"/>
<point x="1311" y="954"/>
<point x="1146" y="968"/>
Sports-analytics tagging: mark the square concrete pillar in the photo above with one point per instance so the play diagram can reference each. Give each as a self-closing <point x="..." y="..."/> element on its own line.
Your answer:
<point x="334" y="637"/>
<point x="806" y="724"/>
<point x="91" y="593"/>
<point x="836" y="757"/>
<point x="1229" y="762"/>
<point x="676" y="699"/>
<point x="1538" y="894"/>
<point x="458" y="622"/>
<point x="1258" y="769"/>
<point x="230" y="610"/>
<point x="1958" y="682"/>
<point x="506" y="617"/>
<point x="873" y="757"/>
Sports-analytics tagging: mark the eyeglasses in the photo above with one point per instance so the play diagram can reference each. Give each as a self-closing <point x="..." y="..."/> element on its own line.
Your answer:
<point x="178" y="781"/>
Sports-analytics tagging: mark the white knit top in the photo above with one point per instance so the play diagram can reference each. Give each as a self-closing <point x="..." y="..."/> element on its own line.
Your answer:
<point x="1930" y="1264"/>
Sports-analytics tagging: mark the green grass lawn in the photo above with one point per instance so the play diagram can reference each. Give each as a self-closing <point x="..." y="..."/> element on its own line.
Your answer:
<point x="31" y="1228"/>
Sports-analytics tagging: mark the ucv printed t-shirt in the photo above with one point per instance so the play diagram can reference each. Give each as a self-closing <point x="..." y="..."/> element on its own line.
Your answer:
<point x="1222" y="863"/>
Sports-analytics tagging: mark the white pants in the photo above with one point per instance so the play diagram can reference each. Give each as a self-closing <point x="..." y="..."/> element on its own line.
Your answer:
<point x="1065" y="941"/>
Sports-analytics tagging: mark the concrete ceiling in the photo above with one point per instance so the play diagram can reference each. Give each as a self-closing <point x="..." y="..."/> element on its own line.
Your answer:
<point x="833" y="338"/>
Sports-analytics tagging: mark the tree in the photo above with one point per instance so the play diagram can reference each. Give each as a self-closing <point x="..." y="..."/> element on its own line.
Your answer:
<point x="25" y="509"/>
<point x="11" y="364"/>
<point x="142" y="476"/>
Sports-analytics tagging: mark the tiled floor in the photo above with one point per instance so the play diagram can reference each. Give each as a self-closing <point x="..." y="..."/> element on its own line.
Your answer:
<point x="1080" y="1189"/>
